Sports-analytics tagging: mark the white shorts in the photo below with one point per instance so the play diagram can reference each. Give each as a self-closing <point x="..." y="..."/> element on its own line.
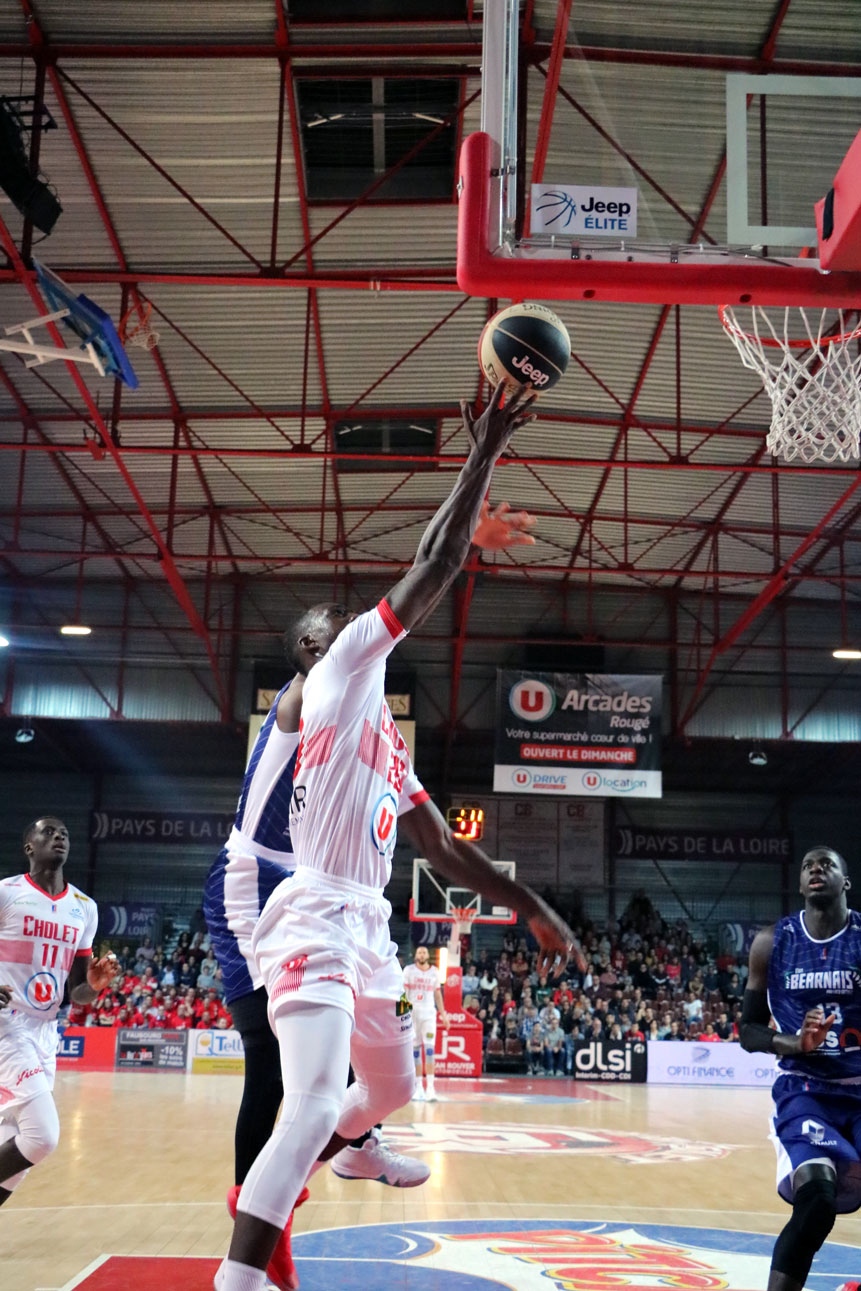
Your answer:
<point x="326" y="941"/>
<point x="28" y="1059"/>
<point x="424" y="1025"/>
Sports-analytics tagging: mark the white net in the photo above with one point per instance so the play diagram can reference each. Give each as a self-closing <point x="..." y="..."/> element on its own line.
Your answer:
<point x="810" y="365"/>
<point x="462" y="919"/>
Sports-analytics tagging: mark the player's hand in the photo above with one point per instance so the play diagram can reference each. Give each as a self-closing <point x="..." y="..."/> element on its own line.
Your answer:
<point x="814" y="1029"/>
<point x="579" y="958"/>
<point x="490" y="432"/>
<point x="444" y="1021"/>
<point x="5" y="996"/>
<point x="555" y="939"/>
<point x="102" y="972"/>
<point x="502" y="528"/>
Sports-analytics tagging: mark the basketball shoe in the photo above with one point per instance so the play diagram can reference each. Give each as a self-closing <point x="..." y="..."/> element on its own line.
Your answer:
<point x="281" y="1271"/>
<point x="374" y="1160"/>
<point x="418" y="1093"/>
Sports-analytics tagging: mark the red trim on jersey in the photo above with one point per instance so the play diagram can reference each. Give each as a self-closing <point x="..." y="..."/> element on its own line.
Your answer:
<point x="318" y="748"/>
<point x="87" y="953"/>
<point x="421" y="796"/>
<point x="16" y="952"/>
<point x="391" y="620"/>
<point x="49" y="895"/>
<point x="373" y="749"/>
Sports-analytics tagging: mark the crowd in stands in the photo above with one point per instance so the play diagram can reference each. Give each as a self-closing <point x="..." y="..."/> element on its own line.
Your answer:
<point x="645" y="980"/>
<point x="180" y="989"/>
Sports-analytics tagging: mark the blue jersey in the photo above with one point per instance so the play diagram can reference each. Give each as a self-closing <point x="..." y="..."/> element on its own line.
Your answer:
<point x="257" y="856"/>
<point x="804" y="974"/>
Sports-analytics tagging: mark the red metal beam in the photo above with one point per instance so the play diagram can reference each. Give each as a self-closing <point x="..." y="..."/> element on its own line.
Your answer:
<point x="551" y="86"/>
<point x="773" y="588"/>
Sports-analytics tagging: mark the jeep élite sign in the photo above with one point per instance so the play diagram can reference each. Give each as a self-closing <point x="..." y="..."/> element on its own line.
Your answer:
<point x="591" y="735"/>
<point x="610" y="1060"/>
<point x="574" y="209"/>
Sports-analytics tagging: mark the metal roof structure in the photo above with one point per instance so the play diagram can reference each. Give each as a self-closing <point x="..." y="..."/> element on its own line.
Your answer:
<point x="188" y="519"/>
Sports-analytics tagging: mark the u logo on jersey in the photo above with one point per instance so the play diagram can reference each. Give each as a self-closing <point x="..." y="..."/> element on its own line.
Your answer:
<point x="41" y="990"/>
<point x="384" y="824"/>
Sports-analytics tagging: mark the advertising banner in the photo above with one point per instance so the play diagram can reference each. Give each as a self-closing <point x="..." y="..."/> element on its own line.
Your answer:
<point x="87" y="1048"/>
<point x="620" y="1061"/>
<point x="587" y="735"/>
<point x="176" y="827"/>
<point x="154" y="1050"/>
<point x="458" y="1050"/>
<point x="590" y="209"/>
<point x="688" y="1062"/>
<point x="132" y="921"/>
<point x="636" y="844"/>
<point x="216" y="1053"/>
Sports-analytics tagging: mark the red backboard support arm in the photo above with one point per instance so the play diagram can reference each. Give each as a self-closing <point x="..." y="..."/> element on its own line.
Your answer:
<point x="522" y="273"/>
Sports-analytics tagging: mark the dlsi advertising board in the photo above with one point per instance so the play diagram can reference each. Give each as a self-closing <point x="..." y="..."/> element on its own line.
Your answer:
<point x="593" y="735"/>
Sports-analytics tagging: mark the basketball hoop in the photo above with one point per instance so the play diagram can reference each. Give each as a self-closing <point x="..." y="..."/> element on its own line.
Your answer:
<point x="135" y="327"/>
<point x="462" y="919"/>
<point x="811" y="372"/>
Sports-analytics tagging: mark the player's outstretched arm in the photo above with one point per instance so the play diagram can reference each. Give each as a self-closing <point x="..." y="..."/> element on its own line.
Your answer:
<point x="467" y="866"/>
<point x="446" y="541"/>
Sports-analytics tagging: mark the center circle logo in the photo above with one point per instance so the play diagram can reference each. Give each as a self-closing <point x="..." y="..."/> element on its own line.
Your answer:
<point x="521" y="778"/>
<point x="41" y="991"/>
<point x="531" y="700"/>
<point x="384" y="824"/>
<point x="591" y="780"/>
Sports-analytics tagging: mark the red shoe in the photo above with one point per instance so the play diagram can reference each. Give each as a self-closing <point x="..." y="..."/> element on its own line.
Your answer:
<point x="281" y="1270"/>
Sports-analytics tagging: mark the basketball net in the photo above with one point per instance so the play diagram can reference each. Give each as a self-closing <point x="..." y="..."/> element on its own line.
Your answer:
<point x="135" y="327"/>
<point x="462" y="919"/>
<point x="811" y="372"/>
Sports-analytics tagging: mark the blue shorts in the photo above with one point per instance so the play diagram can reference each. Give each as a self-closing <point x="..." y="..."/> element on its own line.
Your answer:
<point x="815" y="1120"/>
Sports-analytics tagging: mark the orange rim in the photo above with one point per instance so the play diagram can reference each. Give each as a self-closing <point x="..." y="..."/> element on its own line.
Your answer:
<point x="769" y="342"/>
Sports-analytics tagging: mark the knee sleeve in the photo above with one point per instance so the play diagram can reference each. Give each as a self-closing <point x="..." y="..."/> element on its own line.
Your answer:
<point x="429" y="1052"/>
<point x="385" y="1080"/>
<point x="813" y="1210"/>
<point x="38" y="1128"/>
<point x="314" y="1044"/>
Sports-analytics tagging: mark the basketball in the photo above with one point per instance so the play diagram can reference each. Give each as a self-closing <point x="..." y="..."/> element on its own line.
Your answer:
<point x="525" y="344"/>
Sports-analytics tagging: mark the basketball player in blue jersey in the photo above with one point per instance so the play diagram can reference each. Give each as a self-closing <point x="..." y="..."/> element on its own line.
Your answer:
<point x="805" y="972"/>
<point x="256" y="858"/>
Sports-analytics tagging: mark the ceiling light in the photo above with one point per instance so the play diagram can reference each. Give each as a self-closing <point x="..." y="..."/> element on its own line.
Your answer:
<point x="25" y="735"/>
<point x="845" y="652"/>
<point x="757" y="758"/>
<point x="4" y="641"/>
<point x="74" y="630"/>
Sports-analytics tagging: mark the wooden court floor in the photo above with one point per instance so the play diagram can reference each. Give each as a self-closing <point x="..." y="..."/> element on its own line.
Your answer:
<point x="145" y="1159"/>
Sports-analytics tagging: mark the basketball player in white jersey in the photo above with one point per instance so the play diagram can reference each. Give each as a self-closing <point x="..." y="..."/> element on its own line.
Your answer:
<point x="47" y="928"/>
<point x="322" y="943"/>
<point x="423" y="990"/>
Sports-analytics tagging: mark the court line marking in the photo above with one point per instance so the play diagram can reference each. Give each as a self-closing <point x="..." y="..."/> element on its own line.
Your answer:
<point x="459" y="1205"/>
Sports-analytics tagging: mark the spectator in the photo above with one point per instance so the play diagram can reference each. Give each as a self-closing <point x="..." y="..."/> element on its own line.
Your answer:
<point x="674" y="1032"/>
<point x="692" y="1008"/>
<point x="723" y="1026"/>
<point x="708" y="1033"/>
<point x="554" y="1051"/>
<point x="470" y="981"/>
<point x="488" y="981"/>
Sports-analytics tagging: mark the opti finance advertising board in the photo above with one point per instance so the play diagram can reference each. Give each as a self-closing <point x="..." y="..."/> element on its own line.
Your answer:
<point x="585" y="734"/>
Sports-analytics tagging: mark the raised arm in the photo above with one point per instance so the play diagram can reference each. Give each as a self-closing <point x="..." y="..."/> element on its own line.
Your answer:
<point x="467" y="866"/>
<point x="446" y="541"/>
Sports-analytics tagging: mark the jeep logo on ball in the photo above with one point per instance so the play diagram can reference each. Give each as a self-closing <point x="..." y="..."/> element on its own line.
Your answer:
<point x="531" y="373"/>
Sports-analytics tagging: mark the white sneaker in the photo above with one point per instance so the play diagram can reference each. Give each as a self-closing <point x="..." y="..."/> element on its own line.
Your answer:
<point x="430" y="1096"/>
<point x="418" y="1094"/>
<point x="374" y="1160"/>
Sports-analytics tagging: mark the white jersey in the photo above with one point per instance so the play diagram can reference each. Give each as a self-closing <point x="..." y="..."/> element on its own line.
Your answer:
<point x="420" y="985"/>
<point x="353" y="775"/>
<point x="41" y="936"/>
